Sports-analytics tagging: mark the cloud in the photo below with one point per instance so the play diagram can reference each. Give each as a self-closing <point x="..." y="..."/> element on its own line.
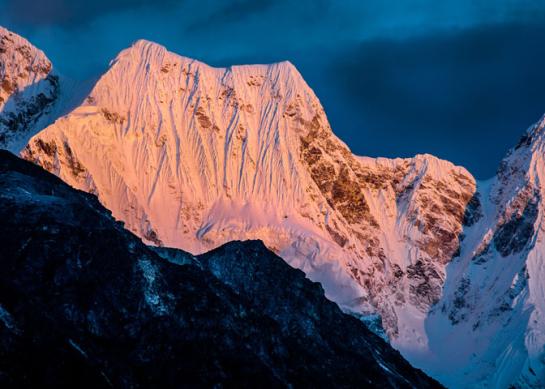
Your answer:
<point x="463" y="95"/>
<point x="69" y="13"/>
<point x="231" y="12"/>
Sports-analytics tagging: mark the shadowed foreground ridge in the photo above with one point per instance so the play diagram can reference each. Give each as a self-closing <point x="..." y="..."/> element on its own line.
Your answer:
<point x="83" y="302"/>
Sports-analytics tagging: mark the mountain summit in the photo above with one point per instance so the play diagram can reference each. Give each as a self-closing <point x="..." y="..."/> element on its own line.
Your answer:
<point x="191" y="156"/>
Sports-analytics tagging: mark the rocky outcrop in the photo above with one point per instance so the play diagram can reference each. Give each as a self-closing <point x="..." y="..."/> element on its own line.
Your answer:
<point x="514" y="234"/>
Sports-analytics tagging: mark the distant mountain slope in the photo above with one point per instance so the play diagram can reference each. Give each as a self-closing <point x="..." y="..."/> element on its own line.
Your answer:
<point x="84" y="303"/>
<point x="28" y="90"/>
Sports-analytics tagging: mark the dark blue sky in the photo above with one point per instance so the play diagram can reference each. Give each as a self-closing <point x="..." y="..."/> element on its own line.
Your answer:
<point x="461" y="79"/>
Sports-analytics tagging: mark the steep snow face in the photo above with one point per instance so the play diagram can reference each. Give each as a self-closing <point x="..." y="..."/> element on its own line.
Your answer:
<point x="190" y="156"/>
<point x="28" y="89"/>
<point x="490" y="323"/>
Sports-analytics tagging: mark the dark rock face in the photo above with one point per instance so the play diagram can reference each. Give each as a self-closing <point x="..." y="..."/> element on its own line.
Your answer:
<point x="425" y="284"/>
<point x="84" y="303"/>
<point x="460" y="304"/>
<point x="343" y="189"/>
<point x="524" y="141"/>
<point x="473" y="212"/>
<point x="512" y="236"/>
<point x="438" y="201"/>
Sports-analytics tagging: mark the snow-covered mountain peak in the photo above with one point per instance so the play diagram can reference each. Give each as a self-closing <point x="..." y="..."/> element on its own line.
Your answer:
<point x="535" y="132"/>
<point x="28" y="88"/>
<point x="21" y="64"/>
<point x="437" y="167"/>
<point x="155" y="54"/>
<point x="523" y="169"/>
<point x="144" y="47"/>
<point x="141" y="49"/>
<point x="228" y="135"/>
<point x="531" y="145"/>
<point x="192" y="156"/>
<point x="148" y="68"/>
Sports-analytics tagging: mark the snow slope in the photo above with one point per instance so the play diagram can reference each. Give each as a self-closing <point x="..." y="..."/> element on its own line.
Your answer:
<point x="191" y="156"/>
